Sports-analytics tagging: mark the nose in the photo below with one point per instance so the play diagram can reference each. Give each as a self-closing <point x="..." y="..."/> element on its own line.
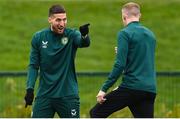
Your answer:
<point x="61" y="23"/>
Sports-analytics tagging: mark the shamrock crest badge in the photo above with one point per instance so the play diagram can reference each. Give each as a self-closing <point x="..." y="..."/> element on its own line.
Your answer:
<point x="64" y="40"/>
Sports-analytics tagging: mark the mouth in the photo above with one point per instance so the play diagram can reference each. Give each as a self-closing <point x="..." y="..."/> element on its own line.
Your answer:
<point x="61" y="28"/>
<point x="58" y="29"/>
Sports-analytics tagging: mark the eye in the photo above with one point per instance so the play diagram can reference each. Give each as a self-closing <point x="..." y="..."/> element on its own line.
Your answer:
<point x="64" y="19"/>
<point x="58" y="20"/>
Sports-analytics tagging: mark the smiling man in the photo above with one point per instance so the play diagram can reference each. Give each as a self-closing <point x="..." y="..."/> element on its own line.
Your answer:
<point x="53" y="51"/>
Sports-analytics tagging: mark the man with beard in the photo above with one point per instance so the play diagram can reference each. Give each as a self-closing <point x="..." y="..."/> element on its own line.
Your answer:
<point x="53" y="52"/>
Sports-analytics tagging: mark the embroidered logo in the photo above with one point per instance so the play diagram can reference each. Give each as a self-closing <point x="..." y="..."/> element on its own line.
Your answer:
<point x="44" y="44"/>
<point x="64" y="40"/>
<point x="73" y="112"/>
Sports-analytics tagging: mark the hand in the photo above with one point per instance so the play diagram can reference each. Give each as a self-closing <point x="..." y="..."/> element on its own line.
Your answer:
<point x="29" y="97"/>
<point x="84" y="29"/>
<point x="115" y="48"/>
<point x="100" y="97"/>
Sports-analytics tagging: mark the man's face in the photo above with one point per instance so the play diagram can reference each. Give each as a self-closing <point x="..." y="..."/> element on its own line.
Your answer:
<point x="58" y="22"/>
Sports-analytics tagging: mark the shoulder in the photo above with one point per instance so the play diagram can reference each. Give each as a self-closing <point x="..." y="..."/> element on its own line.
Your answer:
<point x="149" y="31"/>
<point x="41" y="32"/>
<point x="123" y="33"/>
<point x="37" y="36"/>
<point x="72" y="31"/>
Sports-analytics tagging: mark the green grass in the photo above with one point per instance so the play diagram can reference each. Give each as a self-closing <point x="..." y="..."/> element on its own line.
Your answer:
<point x="20" y="19"/>
<point x="13" y="90"/>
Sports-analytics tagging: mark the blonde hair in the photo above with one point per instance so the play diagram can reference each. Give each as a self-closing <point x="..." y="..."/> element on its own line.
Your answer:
<point x="131" y="9"/>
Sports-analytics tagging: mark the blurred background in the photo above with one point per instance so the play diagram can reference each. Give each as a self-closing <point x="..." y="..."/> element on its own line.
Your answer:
<point x="20" y="19"/>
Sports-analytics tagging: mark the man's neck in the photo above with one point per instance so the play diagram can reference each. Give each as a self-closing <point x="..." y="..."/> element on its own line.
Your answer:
<point x="132" y="20"/>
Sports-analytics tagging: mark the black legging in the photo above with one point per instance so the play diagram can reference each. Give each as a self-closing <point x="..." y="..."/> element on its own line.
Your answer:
<point x="141" y="103"/>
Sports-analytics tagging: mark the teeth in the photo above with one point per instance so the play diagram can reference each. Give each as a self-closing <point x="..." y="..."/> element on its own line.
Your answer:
<point x="60" y="28"/>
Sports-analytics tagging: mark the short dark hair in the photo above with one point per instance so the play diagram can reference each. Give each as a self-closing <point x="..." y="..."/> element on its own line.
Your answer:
<point x="55" y="9"/>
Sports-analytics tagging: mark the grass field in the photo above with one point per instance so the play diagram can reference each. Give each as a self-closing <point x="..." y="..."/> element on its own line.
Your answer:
<point x="12" y="94"/>
<point x="20" y="19"/>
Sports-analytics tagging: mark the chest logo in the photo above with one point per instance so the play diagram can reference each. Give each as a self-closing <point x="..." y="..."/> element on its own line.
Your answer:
<point x="44" y="44"/>
<point x="64" y="40"/>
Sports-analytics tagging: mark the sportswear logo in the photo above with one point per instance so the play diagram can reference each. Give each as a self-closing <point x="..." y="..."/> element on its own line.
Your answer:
<point x="64" y="40"/>
<point x="44" y="44"/>
<point x="73" y="112"/>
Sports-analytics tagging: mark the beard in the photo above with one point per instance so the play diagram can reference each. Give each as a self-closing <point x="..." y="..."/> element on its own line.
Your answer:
<point x="58" y="29"/>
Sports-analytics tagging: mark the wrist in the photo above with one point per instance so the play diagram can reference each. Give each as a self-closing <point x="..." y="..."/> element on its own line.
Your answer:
<point x="101" y="93"/>
<point x="30" y="90"/>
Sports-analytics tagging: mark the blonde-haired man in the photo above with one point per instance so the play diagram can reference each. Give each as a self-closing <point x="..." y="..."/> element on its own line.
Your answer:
<point x="135" y="58"/>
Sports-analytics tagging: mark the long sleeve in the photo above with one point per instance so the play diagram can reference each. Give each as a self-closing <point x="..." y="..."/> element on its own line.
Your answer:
<point x="120" y="61"/>
<point x="79" y="41"/>
<point x="34" y="64"/>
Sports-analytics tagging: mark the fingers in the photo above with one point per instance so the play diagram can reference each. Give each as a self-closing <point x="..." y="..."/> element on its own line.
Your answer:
<point x="115" y="48"/>
<point x="101" y="99"/>
<point x="86" y="25"/>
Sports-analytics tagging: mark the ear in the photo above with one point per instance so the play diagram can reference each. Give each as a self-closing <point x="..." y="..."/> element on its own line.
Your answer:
<point x="124" y="17"/>
<point x="50" y="20"/>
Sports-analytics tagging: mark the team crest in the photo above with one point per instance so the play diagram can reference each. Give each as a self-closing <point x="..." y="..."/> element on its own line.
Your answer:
<point x="44" y="44"/>
<point x="64" y="40"/>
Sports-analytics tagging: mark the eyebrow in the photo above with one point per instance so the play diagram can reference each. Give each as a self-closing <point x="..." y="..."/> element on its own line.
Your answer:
<point x="61" y="18"/>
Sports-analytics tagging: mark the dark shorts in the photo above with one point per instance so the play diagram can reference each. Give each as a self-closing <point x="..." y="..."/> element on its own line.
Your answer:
<point x="66" y="107"/>
<point x="141" y="103"/>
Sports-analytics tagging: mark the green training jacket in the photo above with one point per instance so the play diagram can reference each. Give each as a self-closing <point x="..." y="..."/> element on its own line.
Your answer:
<point x="135" y="59"/>
<point x="54" y="56"/>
